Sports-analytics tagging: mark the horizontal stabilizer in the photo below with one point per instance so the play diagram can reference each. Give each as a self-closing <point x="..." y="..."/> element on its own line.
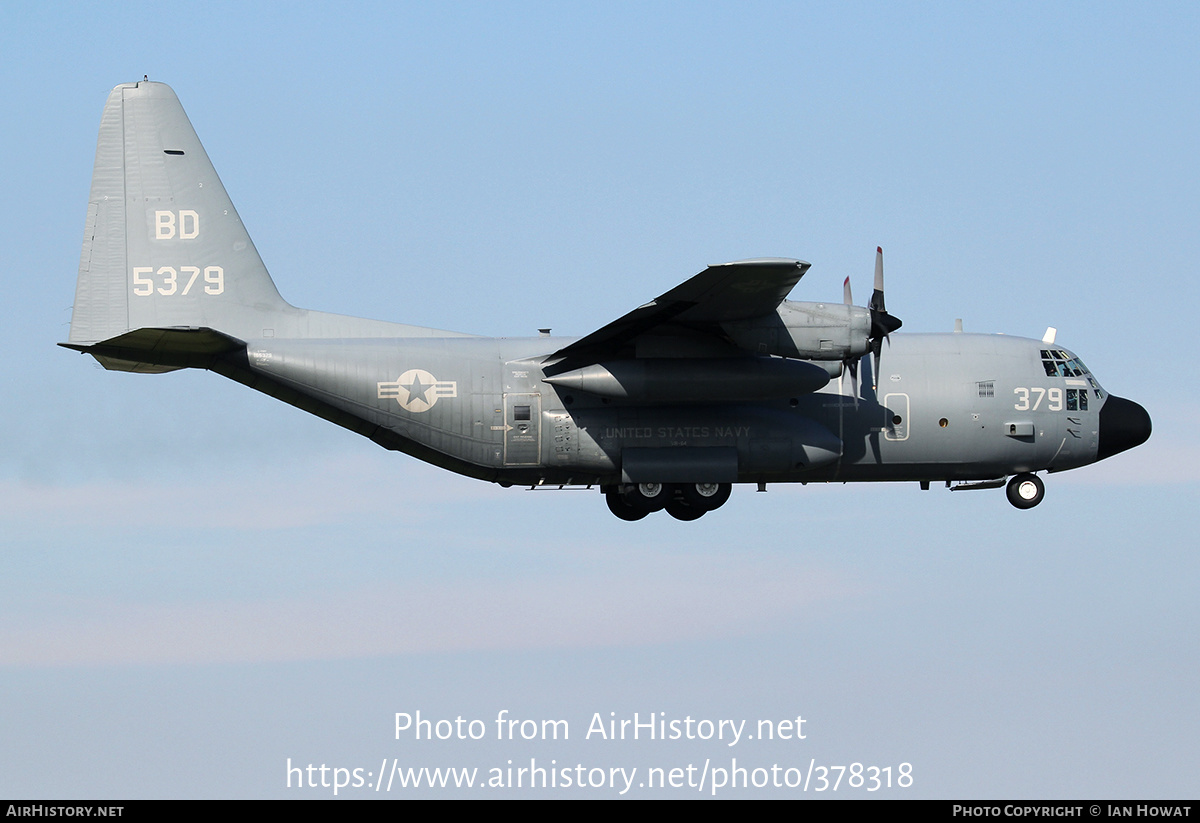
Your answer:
<point x="152" y="351"/>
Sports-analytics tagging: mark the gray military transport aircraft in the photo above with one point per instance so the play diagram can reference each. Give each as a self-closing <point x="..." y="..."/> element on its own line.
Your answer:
<point x="719" y="381"/>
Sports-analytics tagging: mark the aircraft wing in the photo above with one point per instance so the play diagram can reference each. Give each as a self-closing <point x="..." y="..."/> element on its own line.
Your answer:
<point x="721" y="293"/>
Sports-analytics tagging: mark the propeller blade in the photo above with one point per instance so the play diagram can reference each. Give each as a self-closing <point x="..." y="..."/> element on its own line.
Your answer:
<point x="877" y="295"/>
<point x="850" y="367"/>
<point x="882" y="323"/>
<point x="850" y="364"/>
<point x="876" y="349"/>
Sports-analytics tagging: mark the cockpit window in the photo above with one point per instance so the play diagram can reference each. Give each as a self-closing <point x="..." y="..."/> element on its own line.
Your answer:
<point x="1058" y="363"/>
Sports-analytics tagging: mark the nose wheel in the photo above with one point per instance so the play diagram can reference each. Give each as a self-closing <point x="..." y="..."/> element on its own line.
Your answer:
<point x="1025" y="491"/>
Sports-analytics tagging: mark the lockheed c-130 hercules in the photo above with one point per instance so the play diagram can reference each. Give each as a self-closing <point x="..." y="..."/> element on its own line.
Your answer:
<point x="721" y="380"/>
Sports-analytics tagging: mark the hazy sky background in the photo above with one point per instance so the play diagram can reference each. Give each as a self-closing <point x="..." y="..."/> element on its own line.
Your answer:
<point x="198" y="582"/>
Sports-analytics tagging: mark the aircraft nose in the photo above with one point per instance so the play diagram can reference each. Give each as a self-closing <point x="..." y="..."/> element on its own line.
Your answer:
<point x="1123" y="425"/>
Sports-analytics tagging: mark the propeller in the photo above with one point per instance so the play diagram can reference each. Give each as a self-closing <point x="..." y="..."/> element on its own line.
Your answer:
<point x="851" y="362"/>
<point x="882" y="323"/>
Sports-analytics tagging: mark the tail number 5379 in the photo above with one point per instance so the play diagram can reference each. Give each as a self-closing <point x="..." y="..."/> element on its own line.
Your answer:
<point x="167" y="281"/>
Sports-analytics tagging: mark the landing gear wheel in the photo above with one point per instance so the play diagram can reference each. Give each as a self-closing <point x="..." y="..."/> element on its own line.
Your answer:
<point x="618" y="506"/>
<point x="649" y="497"/>
<point x="684" y="511"/>
<point x="706" y="496"/>
<point x="1025" y="491"/>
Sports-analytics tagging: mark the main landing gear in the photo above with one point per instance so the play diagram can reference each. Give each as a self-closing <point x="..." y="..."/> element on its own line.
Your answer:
<point x="1025" y="491"/>
<point x="683" y="501"/>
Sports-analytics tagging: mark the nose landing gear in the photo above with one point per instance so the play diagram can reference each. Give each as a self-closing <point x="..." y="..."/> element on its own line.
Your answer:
<point x="1025" y="491"/>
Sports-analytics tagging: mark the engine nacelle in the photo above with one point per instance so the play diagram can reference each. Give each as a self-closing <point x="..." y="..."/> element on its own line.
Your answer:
<point x="807" y="331"/>
<point x="698" y="380"/>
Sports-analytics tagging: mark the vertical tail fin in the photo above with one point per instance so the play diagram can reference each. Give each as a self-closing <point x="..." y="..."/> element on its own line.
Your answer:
<point x="163" y="247"/>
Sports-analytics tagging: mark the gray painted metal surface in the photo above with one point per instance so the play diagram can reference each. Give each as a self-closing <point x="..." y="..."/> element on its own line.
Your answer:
<point x="721" y="380"/>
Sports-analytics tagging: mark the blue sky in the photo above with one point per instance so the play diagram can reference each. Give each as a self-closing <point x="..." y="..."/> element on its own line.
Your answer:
<point x="198" y="582"/>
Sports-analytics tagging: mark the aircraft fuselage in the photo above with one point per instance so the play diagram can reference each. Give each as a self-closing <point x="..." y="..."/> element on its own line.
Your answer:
<point x="947" y="407"/>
